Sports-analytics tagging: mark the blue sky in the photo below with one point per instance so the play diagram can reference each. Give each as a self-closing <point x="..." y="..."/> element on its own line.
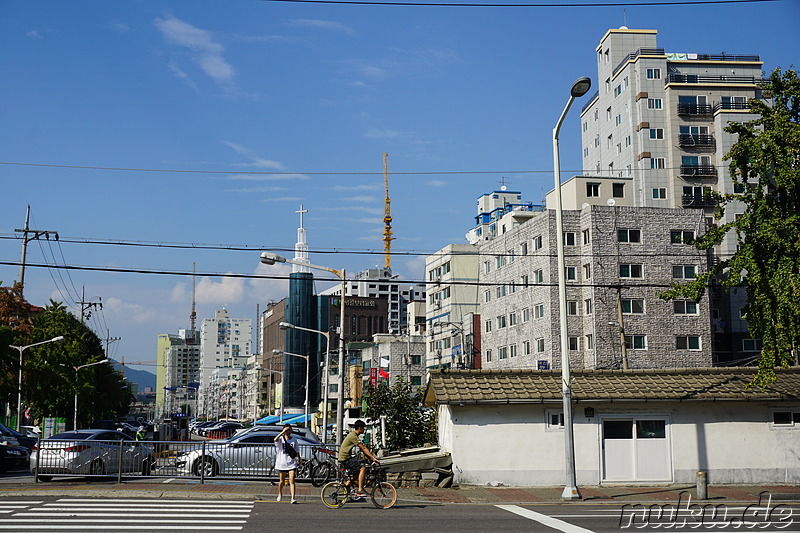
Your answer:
<point x="312" y="94"/>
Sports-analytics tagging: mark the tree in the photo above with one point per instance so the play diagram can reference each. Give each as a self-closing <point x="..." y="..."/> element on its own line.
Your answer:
<point x="765" y="166"/>
<point x="408" y="422"/>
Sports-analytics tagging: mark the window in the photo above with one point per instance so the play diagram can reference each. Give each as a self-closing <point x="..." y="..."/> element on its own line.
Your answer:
<point x="628" y="141"/>
<point x="537" y="242"/>
<point x="617" y="90"/>
<point x="630" y="270"/>
<point x="554" y="420"/>
<point x="653" y="74"/>
<point x="524" y="280"/>
<point x="487" y="296"/>
<point x="502" y="352"/>
<point x="523" y="248"/>
<point x="751" y="345"/>
<point x="629" y="235"/>
<point x="685" y="307"/>
<point x="487" y="267"/>
<point x="636" y="342"/>
<point x="572" y="307"/>
<point x="501" y="321"/>
<point x="677" y="236"/>
<point x="569" y="273"/>
<point x="618" y="120"/>
<point x="538" y="311"/>
<point x="569" y="238"/>
<point x="540" y="345"/>
<point x="488" y="326"/>
<point x="500" y="260"/>
<point x="512" y="350"/>
<point x="416" y="359"/>
<point x="574" y="344"/>
<point x="683" y="272"/>
<point x="656" y="133"/>
<point x="618" y="190"/>
<point x="587" y="236"/>
<point x="654" y="103"/>
<point x="592" y="189"/>
<point x="527" y="348"/>
<point x="657" y="162"/>
<point x="587" y="306"/>
<point x="589" y="342"/>
<point x="538" y="277"/>
<point x="786" y="418"/>
<point x="687" y="342"/>
<point x="587" y="271"/>
<point x="513" y="319"/>
<point x="416" y="381"/>
<point x="488" y="355"/>
<point x="660" y="193"/>
<point x="632" y="306"/>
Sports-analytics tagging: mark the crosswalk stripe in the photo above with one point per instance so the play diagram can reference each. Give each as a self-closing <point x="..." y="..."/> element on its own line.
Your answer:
<point x="144" y="504"/>
<point x="544" y="519"/>
<point x="140" y="500"/>
<point x="126" y="521"/>
<point x="172" y="515"/>
<point x="147" y="509"/>
<point x="106" y="527"/>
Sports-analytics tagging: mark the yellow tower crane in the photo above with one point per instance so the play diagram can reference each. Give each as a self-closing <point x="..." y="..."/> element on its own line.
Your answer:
<point x="387" y="215"/>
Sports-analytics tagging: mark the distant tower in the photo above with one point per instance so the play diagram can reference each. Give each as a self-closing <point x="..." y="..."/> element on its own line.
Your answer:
<point x="387" y="216"/>
<point x="301" y="246"/>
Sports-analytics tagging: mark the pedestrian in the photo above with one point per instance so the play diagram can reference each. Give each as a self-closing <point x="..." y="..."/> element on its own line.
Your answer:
<point x="141" y="433"/>
<point x="287" y="459"/>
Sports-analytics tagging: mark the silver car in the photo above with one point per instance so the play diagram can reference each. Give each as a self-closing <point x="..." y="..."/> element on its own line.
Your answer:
<point x="249" y="454"/>
<point x="90" y="452"/>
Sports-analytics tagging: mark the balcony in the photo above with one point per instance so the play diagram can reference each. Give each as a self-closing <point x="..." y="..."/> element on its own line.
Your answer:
<point x="698" y="171"/>
<point x="698" y="200"/>
<point x="689" y="140"/>
<point x="695" y="109"/>
<point x="636" y="54"/>
<point x="732" y="106"/>
<point x="711" y="80"/>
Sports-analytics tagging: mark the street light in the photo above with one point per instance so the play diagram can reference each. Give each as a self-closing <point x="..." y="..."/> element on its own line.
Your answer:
<point x="279" y="352"/>
<point x="19" y="384"/>
<point x="327" y="335"/>
<point x="75" y="419"/>
<point x="268" y="258"/>
<point x="579" y="88"/>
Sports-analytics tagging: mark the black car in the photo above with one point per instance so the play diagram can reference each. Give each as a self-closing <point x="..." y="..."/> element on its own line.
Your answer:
<point x="12" y="457"/>
<point x="23" y="440"/>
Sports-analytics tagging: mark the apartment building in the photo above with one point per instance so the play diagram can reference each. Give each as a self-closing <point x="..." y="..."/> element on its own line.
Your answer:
<point x="178" y="372"/>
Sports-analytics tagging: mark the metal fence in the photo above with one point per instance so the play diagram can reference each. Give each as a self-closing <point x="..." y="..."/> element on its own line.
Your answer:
<point x="169" y="459"/>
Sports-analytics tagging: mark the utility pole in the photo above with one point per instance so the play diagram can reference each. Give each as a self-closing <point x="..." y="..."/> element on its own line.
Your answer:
<point x="88" y="305"/>
<point x="35" y="234"/>
<point x="109" y="339"/>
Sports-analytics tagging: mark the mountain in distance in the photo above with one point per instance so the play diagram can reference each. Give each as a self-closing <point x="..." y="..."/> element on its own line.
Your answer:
<point x="142" y="378"/>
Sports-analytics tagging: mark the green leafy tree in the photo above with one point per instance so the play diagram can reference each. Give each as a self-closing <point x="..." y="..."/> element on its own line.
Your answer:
<point x="408" y="422"/>
<point x="16" y="326"/>
<point x="765" y="165"/>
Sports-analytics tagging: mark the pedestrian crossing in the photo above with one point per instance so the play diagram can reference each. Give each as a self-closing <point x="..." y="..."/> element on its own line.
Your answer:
<point x="120" y="515"/>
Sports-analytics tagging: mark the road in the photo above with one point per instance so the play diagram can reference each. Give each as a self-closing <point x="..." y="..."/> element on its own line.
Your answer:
<point x="89" y="514"/>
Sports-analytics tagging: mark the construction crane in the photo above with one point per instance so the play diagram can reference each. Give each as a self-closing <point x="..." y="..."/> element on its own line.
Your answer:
<point x="387" y="215"/>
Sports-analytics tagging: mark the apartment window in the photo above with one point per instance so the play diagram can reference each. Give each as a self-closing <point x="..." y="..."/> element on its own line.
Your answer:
<point x="685" y="307"/>
<point x="488" y="355"/>
<point x="513" y="319"/>
<point x="683" y="272"/>
<point x="572" y="308"/>
<point x="617" y="90"/>
<point x="537" y="242"/>
<point x="569" y="238"/>
<point x="786" y="418"/>
<point x="608" y="80"/>
<point x="587" y="271"/>
<point x="627" y="270"/>
<point x="487" y="267"/>
<point x="554" y="420"/>
<point x="609" y="141"/>
<point x="523" y="248"/>
<point x="416" y="381"/>
<point x="502" y="352"/>
<point x="538" y="277"/>
<point x="590" y="342"/>
<point x="487" y="296"/>
<point x="629" y="235"/>
<point x="632" y="306"/>
<point x="501" y="321"/>
<point x="597" y="141"/>
<point x="512" y="350"/>
<point x="687" y="342"/>
<point x="628" y="141"/>
<point x="660" y="193"/>
<point x="653" y="74"/>
<point x="538" y="311"/>
<point x="608" y="114"/>
<point x="570" y="274"/>
<point x="500" y="260"/>
<point x="524" y="280"/>
<point x="619" y="148"/>
<point x="587" y="306"/>
<point x="656" y="133"/>
<point x="592" y="189"/>
<point x="527" y="348"/>
<point x="587" y="236"/>
<point x="678" y="236"/>
<point x="574" y="344"/>
<point x="488" y="326"/>
<point x="636" y="342"/>
<point x="654" y="103"/>
<point x="618" y="120"/>
<point x="540" y="345"/>
<point x="618" y="189"/>
<point x="585" y="126"/>
<point x="657" y="162"/>
<point x="585" y="152"/>
<point x="526" y="314"/>
<point x="416" y="359"/>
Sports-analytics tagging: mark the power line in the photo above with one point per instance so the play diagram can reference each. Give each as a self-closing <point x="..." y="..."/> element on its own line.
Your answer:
<point x="459" y="4"/>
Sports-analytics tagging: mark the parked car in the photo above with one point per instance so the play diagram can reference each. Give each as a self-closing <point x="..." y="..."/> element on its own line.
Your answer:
<point x="252" y="453"/>
<point x="12" y="456"/>
<point x="306" y="433"/>
<point x="203" y="425"/>
<point x="92" y="452"/>
<point x="21" y="439"/>
<point x="222" y="430"/>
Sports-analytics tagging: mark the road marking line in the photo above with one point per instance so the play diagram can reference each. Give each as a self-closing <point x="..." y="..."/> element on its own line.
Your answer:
<point x="148" y="509"/>
<point x="171" y="515"/>
<point x="128" y="521"/>
<point x="544" y="519"/>
<point x="153" y="527"/>
<point x="103" y="503"/>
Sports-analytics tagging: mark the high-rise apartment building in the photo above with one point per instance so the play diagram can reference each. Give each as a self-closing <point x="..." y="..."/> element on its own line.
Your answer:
<point x="654" y="136"/>
<point x="178" y="372"/>
<point x="225" y="342"/>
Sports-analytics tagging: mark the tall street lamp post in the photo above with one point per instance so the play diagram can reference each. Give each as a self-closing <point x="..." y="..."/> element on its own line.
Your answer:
<point x="327" y="335"/>
<point x="307" y="358"/>
<point x="268" y="258"/>
<point x="579" y="88"/>
<point x="75" y="419"/>
<point x="19" y="383"/>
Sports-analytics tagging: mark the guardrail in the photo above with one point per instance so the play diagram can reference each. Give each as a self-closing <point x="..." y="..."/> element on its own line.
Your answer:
<point x="167" y="459"/>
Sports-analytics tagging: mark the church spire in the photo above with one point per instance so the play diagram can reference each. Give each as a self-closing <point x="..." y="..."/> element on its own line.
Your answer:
<point x="301" y="247"/>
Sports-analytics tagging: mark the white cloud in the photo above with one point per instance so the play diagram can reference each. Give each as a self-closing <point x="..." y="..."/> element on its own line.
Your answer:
<point x="385" y="134"/>
<point x="206" y="52"/>
<point x="322" y="24"/>
<point x="363" y="198"/>
<point x="284" y="199"/>
<point x="436" y="183"/>
<point x="370" y="210"/>
<point x="118" y="26"/>
<point x="131" y="311"/>
<point x="256" y="161"/>
<point x="266" y="177"/>
<point x="258" y="189"/>
<point x="208" y="291"/>
<point x="370" y="187"/>
<point x="33" y="34"/>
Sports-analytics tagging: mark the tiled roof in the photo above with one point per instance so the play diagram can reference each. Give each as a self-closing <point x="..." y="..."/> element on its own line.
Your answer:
<point x="537" y="386"/>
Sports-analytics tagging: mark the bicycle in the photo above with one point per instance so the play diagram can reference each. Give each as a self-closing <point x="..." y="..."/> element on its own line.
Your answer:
<point x="383" y="494"/>
<point x="318" y="471"/>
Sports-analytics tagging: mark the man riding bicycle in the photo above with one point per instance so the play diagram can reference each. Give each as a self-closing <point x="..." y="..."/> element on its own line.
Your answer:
<point x="352" y="463"/>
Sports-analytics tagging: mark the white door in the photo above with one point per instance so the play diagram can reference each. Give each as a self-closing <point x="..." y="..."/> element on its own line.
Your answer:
<point x="636" y="449"/>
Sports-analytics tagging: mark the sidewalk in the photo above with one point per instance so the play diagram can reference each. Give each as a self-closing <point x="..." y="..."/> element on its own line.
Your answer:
<point x="219" y="489"/>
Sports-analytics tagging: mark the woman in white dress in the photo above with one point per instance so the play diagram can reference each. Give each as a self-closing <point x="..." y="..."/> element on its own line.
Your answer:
<point x="285" y="462"/>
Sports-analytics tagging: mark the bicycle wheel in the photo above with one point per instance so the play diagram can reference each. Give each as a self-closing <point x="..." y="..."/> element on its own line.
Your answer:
<point x="383" y="495"/>
<point x="334" y="494"/>
<point x="321" y="474"/>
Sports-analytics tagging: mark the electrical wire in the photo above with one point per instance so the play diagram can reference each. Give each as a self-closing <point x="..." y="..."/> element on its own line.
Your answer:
<point x="568" y="4"/>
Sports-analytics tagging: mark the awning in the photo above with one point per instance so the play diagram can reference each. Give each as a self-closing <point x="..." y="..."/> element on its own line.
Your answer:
<point x="296" y="419"/>
<point x="272" y="419"/>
